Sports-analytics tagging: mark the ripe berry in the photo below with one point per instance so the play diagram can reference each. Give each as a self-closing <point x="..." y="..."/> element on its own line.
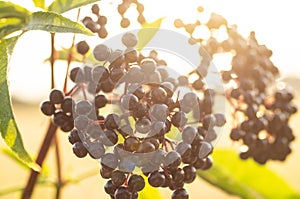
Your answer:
<point x="101" y="52"/>
<point x="77" y="75"/>
<point x="136" y="183"/>
<point x="179" y="119"/>
<point x="122" y="193"/>
<point x="109" y="160"/>
<point x="189" y="173"/>
<point x="158" y="95"/>
<point x="156" y="179"/>
<point x="102" y="32"/>
<point x="96" y="150"/>
<point x="129" y="39"/>
<point x="100" y="101"/>
<point x="112" y="121"/>
<point x="56" y="96"/>
<point x="143" y="125"/>
<point x="180" y="194"/>
<point x="83" y="107"/>
<point x="118" y="178"/>
<point x="125" y="22"/>
<point x="109" y="138"/>
<point x="109" y="187"/>
<point x="48" y="108"/>
<point x="73" y="136"/>
<point x="95" y="9"/>
<point x="102" y="20"/>
<point x="67" y="105"/>
<point x="129" y="101"/>
<point x="79" y="149"/>
<point x="82" y="47"/>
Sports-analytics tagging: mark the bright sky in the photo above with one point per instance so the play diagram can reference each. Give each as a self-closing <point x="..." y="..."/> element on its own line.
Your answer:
<point x="275" y="23"/>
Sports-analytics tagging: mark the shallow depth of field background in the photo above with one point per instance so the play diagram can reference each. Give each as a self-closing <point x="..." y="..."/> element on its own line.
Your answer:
<point x="275" y="24"/>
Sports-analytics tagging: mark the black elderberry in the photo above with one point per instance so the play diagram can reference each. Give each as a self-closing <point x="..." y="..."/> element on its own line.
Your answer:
<point x="180" y="194"/>
<point x="106" y="172"/>
<point x="179" y="119"/>
<point x="79" y="149"/>
<point x="136" y="183"/>
<point x="109" y="187"/>
<point x="100" y="101"/>
<point x="118" y="178"/>
<point x="56" y="96"/>
<point x="156" y="179"/>
<point x="189" y="174"/>
<point x="83" y="107"/>
<point x="122" y="193"/>
<point x="73" y="136"/>
<point x="48" y="108"/>
<point x="109" y="138"/>
<point x="109" y="160"/>
<point x="158" y="95"/>
<point x="143" y="125"/>
<point x="82" y="47"/>
<point x="129" y="101"/>
<point x="67" y="105"/>
<point x="125" y="22"/>
<point x="112" y="121"/>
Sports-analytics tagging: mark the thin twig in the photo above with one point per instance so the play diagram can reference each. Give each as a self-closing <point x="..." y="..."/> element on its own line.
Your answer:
<point x="70" y="57"/>
<point x="40" y="159"/>
<point x="59" y="183"/>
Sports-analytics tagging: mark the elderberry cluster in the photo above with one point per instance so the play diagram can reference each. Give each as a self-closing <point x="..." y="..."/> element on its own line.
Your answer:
<point x="97" y="26"/>
<point x="262" y="111"/>
<point x="123" y="7"/>
<point x="153" y="129"/>
<point x="60" y="108"/>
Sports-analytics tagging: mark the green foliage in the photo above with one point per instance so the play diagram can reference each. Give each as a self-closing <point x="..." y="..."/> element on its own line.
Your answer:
<point x="147" y="32"/>
<point x="8" y="10"/>
<point x="8" y="127"/>
<point x="246" y="179"/>
<point x="39" y="3"/>
<point x="52" y="22"/>
<point x="149" y="192"/>
<point x="61" y="6"/>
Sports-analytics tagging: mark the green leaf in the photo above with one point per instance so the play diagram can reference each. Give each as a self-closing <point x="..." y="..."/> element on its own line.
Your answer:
<point x="147" y="32"/>
<point x="7" y="152"/>
<point x="149" y="192"/>
<point x="39" y="3"/>
<point x="52" y="22"/>
<point x="8" y="127"/>
<point x="61" y="6"/>
<point x="246" y="179"/>
<point x="8" y="29"/>
<point x="8" y="10"/>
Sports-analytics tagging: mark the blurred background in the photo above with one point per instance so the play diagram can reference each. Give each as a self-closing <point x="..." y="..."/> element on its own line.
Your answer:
<point x="275" y="24"/>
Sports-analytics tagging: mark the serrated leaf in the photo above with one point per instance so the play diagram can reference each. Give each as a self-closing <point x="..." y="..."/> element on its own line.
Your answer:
<point x="8" y="10"/>
<point x="149" y="192"/>
<point x="147" y="32"/>
<point x="8" y="127"/>
<point x="52" y="22"/>
<point x="61" y="6"/>
<point x="246" y="179"/>
<point x="39" y="3"/>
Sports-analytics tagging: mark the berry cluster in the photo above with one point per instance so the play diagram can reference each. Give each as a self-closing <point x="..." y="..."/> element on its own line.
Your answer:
<point x="97" y="26"/>
<point x="60" y="107"/>
<point x="262" y="111"/>
<point x="123" y="7"/>
<point x="153" y="130"/>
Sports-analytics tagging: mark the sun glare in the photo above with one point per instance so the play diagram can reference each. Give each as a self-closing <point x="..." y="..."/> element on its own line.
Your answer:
<point x="271" y="26"/>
